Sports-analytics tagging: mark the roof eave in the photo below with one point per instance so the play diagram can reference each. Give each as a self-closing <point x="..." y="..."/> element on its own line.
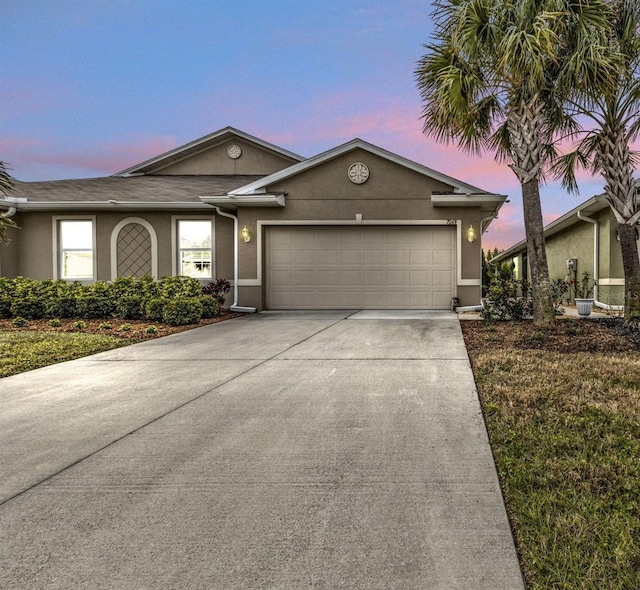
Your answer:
<point x="232" y="202"/>
<point x="172" y="156"/>
<point x="108" y="206"/>
<point x="253" y="187"/>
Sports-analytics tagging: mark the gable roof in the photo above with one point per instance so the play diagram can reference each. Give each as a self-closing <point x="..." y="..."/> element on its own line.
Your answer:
<point x="589" y="207"/>
<point x="203" y="144"/>
<point x="259" y="186"/>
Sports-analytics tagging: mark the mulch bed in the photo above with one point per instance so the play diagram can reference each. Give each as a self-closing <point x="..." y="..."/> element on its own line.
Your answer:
<point x="565" y="336"/>
<point x="136" y="332"/>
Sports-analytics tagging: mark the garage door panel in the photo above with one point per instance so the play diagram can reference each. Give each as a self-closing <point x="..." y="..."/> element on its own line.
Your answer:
<point x="442" y="278"/>
<point x="363" y="267"/>
<point x="328" y="278"/>
<point x="395" y="256"/>
<point x="443" y="258"/>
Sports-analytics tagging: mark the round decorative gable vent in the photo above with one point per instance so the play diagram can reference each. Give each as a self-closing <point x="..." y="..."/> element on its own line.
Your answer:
<point x="234" y="151"/>
<point x="358" y="173"/>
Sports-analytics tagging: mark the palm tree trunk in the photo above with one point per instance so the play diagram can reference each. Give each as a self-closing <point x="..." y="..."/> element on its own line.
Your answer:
<point x="527" y="135"/>
<point x="543" y="311"/>
<point x="631" y="265"/>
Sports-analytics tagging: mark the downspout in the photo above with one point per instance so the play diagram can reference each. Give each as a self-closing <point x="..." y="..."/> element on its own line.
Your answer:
<point x="10" y="212"/>
<point x="481" y="306"/>
<point x="596" y="265"/>
<point x="234" y="305"/>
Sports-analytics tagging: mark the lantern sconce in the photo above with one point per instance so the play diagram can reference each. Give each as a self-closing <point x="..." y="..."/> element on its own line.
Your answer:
<point x="245" y="234"/>
<point x="471" y="234"/>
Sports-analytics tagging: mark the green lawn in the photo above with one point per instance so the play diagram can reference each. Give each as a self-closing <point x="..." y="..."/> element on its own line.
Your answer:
<point x="565" y="433"/>
<point x="23" y="351"/>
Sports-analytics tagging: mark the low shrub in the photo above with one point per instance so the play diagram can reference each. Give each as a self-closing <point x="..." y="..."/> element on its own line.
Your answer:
<point x="154" y="308"/>
<point x="125" y="328"/>
<point x="105" y="326"/>
<point x="151" y="330"/>
<point x="55" y="323"/>
<point x="30" y="306"/>
<point x="130" y="307"/>
<point x="79" y="325"/>
<point x="5" y="306"/>
<point x="210" y="306"/>
<point x="94" y="307"/>
<point x="65" y="306"/>
<point x="19" y="322"/>
<point x="180" y="311"/>
<point x="218" y="289"/>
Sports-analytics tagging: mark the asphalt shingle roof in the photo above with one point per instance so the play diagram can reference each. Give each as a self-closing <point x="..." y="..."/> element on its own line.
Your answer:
<point x="143" y="189"/>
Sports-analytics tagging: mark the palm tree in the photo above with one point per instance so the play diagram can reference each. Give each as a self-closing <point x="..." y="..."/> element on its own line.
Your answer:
<point x="494" y="79"/>
<point x="605" y="149"/>
<point x="6" y="185"/>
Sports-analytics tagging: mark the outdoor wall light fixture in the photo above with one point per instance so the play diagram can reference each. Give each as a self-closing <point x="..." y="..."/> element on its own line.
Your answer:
<point x="245" y="234"/>
<point x="471" y="234"/>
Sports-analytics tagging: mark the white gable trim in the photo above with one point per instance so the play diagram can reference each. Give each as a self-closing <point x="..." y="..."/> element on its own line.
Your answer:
<point x="259" y="185"/>
<point x="204" y="143"/>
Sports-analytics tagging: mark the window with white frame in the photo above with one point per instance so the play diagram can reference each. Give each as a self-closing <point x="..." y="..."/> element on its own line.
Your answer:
<point x="195" y="248"/>
<point x="76" y="249"/>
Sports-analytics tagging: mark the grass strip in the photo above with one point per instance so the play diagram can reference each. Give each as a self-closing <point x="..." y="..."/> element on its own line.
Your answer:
<point x="565" y="433"/>
<point x="23" y="351"/>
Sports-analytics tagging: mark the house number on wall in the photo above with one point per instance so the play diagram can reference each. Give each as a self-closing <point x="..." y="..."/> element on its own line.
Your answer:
<point x="358" y="173"/>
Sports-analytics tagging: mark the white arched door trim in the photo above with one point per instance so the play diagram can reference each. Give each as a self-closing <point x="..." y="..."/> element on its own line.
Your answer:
<point x="114" y="245"/>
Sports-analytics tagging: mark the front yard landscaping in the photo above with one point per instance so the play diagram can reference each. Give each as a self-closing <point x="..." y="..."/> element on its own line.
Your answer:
<point x="562" y="407"/>
<point x="38" y="344"/>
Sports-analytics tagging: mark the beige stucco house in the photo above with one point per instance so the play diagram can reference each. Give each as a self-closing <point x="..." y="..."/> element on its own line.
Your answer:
<point x="582" y="240"/>
<point x="355" y="227"/>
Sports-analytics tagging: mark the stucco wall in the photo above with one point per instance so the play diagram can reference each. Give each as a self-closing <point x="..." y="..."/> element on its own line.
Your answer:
<point x="32" y="254"/>
<point x="253" y="160"/>
<point x="392" y="193"/>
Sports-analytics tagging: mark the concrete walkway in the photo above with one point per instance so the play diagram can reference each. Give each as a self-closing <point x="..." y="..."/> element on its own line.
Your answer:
<point x="276" y="451"/>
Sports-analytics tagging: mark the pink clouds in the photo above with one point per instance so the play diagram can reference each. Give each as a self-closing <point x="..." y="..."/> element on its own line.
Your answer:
<point x="24" y="154"/>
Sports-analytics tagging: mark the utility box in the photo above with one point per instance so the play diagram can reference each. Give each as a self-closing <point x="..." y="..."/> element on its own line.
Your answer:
<point x="572" y="265"/>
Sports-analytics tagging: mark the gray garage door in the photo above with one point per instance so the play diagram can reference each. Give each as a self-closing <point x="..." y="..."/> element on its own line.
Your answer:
<point x="360" y="267"/>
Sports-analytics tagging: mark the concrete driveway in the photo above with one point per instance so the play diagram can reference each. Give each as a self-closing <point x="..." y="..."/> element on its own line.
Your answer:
<point x="276" y="451"/>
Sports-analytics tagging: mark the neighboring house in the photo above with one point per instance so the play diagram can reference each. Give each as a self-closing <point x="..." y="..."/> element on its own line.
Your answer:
<point x="586" y="236"/>
<point x="355" y="227"/>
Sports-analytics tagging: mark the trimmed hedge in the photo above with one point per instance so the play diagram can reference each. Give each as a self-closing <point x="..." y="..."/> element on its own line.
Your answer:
<point x="174" y="300"/>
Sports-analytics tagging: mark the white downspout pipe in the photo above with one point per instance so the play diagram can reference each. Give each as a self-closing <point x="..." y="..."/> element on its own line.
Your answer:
<point x="596" y="265"/>
<point x="8" y="213"/>
<point x="234" y="305"/>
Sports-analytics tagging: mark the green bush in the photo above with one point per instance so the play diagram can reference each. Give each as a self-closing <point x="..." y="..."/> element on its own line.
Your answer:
<point x="179" y="287"/>
<point x="150" y="330"/>
<point x="210" y="307"/>
<point x="508" y="298"/>
<point x="180" y="311"/>
<point x="130" y="307"/>
<point x="65" y="306"/>
<point x="19" y="322"/>
<point x="93" y="307"/>
<point x="55" y="323"/>
<point x="29" y="306"/>
<point x="154" y="308"/>
<point x="5" y="306"/>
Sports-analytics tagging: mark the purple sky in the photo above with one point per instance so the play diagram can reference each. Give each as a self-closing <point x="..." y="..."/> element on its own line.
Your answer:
<point x="90" y="87"/>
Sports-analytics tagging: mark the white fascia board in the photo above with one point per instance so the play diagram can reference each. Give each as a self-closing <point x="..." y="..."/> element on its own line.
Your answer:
<point x="467" y="200"/>
<point x="347" y="147"/>
<point x="592" y="205"/>
<point x="108" y="206"/>
<point x="132" y="171"/>
<point x="259" y="200"/>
